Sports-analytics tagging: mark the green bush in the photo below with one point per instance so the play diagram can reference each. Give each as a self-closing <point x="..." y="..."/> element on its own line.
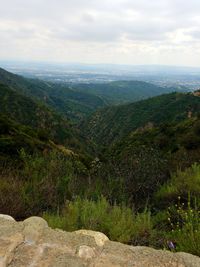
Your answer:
<point x="46" y="180"/>
<point x="119" y="223"/>
<point x="143" y="227"/>
<point x="180" y="184"/>
<point x="185" y="224"/>
<point x="43" y="181"/>
<point x="11" y="196"/>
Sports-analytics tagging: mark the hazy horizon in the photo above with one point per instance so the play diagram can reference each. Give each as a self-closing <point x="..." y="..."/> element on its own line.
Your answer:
<point x="79" y="63"/>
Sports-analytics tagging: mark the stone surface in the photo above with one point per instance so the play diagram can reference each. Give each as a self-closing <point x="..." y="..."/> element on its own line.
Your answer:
<point x="86" y="252"/>
<point x="6" y="217"/>
<point x="100" y="238"/>
<point x="32" y="243"/>
<point x="33" y="228"/>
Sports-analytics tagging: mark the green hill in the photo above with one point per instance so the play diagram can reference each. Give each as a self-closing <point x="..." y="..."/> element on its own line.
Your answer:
<point x="28" y="112"/>
<point x="74" y="105"/>
<point x="111" y="124"/>
<point x="120" y="92"/>
<point x="169" y="138"/>
<point x="15" y="136"/>
<point x="81" y="100"/>
<point x="145" y="173"/>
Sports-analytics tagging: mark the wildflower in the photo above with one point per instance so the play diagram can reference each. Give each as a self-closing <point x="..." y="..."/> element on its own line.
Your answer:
<point x="171" y="245"/>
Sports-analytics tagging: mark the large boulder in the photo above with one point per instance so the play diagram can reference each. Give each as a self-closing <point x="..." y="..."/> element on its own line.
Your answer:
<point x="33" y="228"/>
<point x="33" y="243"/>
<point x="6" y="217"/>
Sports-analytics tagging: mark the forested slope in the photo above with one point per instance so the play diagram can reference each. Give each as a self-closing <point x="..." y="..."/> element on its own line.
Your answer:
<point x="110" y="124"/>
<point x="120" y="92"/>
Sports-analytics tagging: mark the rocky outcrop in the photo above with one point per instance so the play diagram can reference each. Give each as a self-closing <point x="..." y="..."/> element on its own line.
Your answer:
<point x="32" y="243"/>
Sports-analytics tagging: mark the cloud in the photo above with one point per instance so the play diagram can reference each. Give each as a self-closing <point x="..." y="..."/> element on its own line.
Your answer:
<point x="95" y="30"/>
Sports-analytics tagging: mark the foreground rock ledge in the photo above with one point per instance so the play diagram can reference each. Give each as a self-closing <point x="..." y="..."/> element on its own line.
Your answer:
<point x="33" y="243"/>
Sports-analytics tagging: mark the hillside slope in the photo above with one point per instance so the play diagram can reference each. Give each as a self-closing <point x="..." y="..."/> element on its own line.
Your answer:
<point x="111" y="124"/>
<point x="179" y="143"/>
<point x="120" y="92"/>
<point x="15" y="136"/>
<point x="28" y="112"/>
<point x="74" y="105"/>
<point x="77" y="101"/>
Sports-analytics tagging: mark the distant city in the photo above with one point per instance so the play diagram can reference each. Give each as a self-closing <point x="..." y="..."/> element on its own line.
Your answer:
<point x="165" y="76"/>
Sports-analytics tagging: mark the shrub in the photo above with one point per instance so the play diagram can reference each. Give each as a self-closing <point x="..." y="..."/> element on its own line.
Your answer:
<point x="46" y="180"/>
<point x="185" y="223"/>
<point x="41" y="182"/>
<point x="119" y="223"/>
<point x="180" y="184"/>
<point x="11" y="196"/>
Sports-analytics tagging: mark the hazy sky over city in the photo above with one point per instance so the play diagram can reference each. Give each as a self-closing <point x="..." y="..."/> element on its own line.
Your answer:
<point x="101" y="31"/>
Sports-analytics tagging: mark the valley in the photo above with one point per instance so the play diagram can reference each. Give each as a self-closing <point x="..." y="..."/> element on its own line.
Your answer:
<point x="118" y="156"/>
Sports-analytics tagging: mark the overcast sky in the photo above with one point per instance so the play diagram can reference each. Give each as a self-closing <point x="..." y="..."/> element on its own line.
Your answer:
<point x="101" y="31"/>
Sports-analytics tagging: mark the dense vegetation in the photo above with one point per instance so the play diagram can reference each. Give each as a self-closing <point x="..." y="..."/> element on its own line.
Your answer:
<point x="72" y="104"/>
<point x="15" y="136"/>
<point x="78" y="101"/>
<point x="120" y="92"/>
<point x="38" y="117"/>
<point x="138" y="181"/>
<point x="114" y="123"/>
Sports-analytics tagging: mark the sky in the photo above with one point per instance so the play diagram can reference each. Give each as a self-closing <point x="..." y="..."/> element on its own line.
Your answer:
<point x="165" y="32"/>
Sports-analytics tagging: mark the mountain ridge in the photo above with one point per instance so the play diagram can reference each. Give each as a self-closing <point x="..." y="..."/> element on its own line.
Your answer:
<point x="68" y="102"/>
<point x="112" y="123"/>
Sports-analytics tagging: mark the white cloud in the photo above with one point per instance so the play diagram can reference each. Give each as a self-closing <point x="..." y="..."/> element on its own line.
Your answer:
<point x="116" y="31"/>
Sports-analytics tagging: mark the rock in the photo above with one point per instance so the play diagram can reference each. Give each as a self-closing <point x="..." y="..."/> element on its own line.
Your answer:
<point x="7" y="248"/>
<point x="100" y="238"/>
<point x="6" y="217"/>
<point x="86" y="252"/>
<point x="189" y="260"/>
<point x="33" y="228"/>
<point x="33" y="243"/>
<point x="67" y="261"/>
<point x="116" y="254"/>
<point x="9" y="228"/>
<point x="36" y="222"/>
